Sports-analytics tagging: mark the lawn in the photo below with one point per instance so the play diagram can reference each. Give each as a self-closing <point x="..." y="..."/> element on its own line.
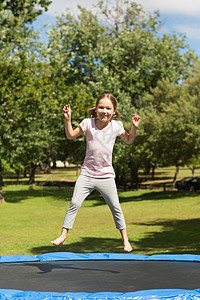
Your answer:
<point x="157" y="222"/>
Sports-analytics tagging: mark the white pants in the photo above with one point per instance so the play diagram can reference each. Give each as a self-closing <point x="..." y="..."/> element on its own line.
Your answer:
<point x="83" y="187"/>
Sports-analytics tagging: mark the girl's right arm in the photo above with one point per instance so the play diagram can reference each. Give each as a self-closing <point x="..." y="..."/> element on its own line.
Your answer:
<point x="70" y="132"/>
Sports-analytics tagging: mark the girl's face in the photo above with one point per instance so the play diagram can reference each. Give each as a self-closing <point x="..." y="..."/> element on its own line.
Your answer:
<point x="104" y="110"/>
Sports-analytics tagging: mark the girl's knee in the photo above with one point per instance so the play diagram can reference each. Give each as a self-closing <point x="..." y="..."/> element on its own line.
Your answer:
<point x="74" y="205"/>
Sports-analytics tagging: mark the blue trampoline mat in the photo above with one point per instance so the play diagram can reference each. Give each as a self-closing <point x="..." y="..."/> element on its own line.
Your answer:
<point x="56" y="257"/>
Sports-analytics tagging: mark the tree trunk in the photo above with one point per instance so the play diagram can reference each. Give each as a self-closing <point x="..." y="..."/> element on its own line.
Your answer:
<point x="47" y="167"/>
<point x="18" y="176"/>
<point x="134" y="177"/>
<point x="153" y="172"/>
<point x="25" y="172"/>
<point x="193" y="170"/>
<point x="32" y="173"/>
<point x="54" y="164"/>
<point x="177" y="171"/>
<point x="2" y="200"/>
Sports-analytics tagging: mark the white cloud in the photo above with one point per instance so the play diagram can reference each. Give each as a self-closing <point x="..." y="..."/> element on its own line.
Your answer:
<point x="192" y="32"/>
<point x="180" y="7"/>
<point x="59" y="7"/>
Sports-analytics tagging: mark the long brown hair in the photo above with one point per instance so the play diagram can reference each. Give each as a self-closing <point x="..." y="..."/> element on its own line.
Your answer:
<point x="116" y="115"/>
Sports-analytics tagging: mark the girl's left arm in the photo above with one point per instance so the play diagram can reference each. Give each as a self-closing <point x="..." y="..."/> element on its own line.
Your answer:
<point x="128" y="138"/>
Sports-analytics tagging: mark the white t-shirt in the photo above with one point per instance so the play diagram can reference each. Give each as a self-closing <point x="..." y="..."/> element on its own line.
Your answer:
<point x="100" y="143"/>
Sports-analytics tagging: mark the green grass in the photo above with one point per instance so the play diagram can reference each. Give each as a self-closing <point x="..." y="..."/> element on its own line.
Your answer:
<point x="157" y="222"/>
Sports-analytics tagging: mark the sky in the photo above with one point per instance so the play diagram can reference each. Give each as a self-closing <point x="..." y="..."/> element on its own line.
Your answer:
<point x="177" y="16"/>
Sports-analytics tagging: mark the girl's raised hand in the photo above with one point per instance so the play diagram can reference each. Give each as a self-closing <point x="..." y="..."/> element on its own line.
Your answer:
<point x="135" y="120"/>
<point x="67" y="112"/>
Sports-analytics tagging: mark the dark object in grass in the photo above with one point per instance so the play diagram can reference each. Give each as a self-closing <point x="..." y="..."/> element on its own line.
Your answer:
<point x="190" y="184"/>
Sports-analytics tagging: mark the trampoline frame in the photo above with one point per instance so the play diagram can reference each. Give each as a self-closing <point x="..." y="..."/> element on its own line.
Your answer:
<point x="169" y="294"/>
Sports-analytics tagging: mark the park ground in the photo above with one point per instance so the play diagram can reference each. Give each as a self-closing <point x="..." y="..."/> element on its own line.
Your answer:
<point x="158" y="221"/>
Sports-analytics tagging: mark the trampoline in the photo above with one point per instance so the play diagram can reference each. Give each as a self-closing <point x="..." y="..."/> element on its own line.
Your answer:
<point x="99" y="276"/>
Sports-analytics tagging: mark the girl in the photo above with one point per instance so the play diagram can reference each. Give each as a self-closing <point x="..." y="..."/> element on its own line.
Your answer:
<point x="97" y="172"/>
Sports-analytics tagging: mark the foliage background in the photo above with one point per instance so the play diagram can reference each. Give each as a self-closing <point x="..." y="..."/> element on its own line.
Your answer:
<point x="115" y="50"/>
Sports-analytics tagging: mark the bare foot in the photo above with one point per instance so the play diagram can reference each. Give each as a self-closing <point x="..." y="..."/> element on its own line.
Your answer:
<point x="127" y="247"/>
<point x="59" y="241"/>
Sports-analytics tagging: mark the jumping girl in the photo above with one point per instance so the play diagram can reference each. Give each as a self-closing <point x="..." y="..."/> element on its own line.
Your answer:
<point x="97" y="172"/>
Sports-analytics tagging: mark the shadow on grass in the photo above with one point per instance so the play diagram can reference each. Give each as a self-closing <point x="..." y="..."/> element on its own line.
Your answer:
<point x="159" y="195"/>
<point x="176" y="237"/>
<point x="132" y="196"/>
<point x="87" y="245"/>
<point x="60" y="194"/>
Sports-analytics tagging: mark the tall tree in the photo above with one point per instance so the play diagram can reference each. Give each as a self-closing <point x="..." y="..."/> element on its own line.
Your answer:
<point x="17" y="73"/>
<point x="133" y="56"/>
<point x="176" y="137"/>
<point x="118" y="50"/>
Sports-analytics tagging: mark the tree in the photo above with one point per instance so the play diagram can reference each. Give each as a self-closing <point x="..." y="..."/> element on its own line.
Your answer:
<point x="72" y="45"/>
<point x="86" y="56"/>
<point x="177" y="134"/>
<point x="17" y="73"/>
<point x="133" y="58"/>
<point x="193" y="163"/>
<point x="28" y="10"/>
<point x="121" y="54"/>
